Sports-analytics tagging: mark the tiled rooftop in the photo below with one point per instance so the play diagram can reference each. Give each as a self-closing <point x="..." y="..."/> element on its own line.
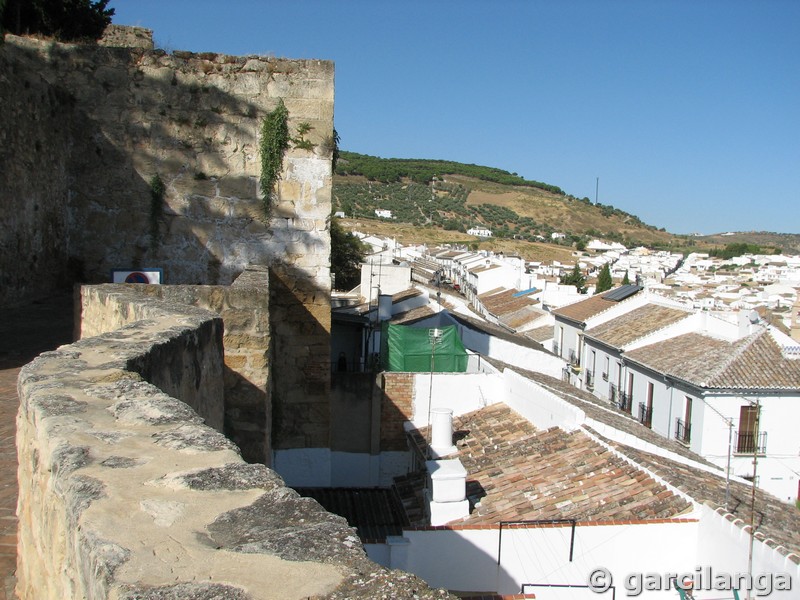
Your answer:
<point x="773" y="518"/>
<point x="540" y="334"/>
<point x="516" y="472"/>
<point x="374" y="512"/>
<point x="411" y="315"/>
<point x="636" y="324"/>
<point x="603" y="411"/>
<point x="513" y="312"/>
<point x="755" y="362"/>
<point x="585" y="309"/>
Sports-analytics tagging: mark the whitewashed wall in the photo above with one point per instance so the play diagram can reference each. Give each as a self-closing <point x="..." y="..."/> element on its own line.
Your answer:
<point x="390" y="278"/>
<point x="531" y="359"/>
<point x="466" y="559"/>
<point x="778" y="470"/>
<point x="541" y="407"/>
<point x="724" y="543"/>
<point x="460" y="392"/>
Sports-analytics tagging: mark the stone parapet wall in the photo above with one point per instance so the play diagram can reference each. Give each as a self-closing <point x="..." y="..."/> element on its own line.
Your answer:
<point x="245" y="415"/>
<point x="176" y="348"/>
<point x="125" y="493"/>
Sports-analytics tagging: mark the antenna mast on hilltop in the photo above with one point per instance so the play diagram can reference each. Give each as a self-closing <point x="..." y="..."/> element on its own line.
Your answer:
<point x="596" y="189"/>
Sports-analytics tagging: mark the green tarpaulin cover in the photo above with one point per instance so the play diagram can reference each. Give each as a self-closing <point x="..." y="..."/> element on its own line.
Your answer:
<point x="416" y="349"/>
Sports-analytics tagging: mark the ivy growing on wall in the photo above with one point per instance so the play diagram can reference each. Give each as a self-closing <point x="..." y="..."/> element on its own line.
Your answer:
<point x="274" y="143"/>
<point x="300" y="141"/>
<point x="156" y="201"/>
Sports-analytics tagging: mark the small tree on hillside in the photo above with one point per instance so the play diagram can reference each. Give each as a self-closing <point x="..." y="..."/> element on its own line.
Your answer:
<point x="347" y="254"/>
<point x="576" y="278"/>
<point x="604" y="280"/>
<point x="626" y="280"/>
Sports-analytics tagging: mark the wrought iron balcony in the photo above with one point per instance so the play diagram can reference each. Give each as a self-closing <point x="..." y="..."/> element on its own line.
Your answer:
<point x="589" y="380"/>
<point x="683" y="432"/>
<point x="749" y="443"/>
<point x="645" y="415"/>
<point x="613" y="393"/>
<point x="574" y="360"/>
<point x="625" y="402"/>
<point x="556" y="349"/>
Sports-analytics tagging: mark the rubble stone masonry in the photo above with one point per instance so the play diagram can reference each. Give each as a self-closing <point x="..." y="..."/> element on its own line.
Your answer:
<point x="84" y="130"/>
<point x="125" y="493"/>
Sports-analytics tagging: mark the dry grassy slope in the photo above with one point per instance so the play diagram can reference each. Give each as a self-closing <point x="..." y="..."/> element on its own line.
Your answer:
<point x="788" y="242"/>
<point x="557" y="211"/>
<point x="410" y="235"/>
<point x="561" y="214"/>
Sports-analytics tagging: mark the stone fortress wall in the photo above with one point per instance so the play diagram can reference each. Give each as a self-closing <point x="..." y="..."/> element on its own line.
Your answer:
<point x="128" y="489"/>
<point x="85" y="128"/>
<point x="125" y="493"/>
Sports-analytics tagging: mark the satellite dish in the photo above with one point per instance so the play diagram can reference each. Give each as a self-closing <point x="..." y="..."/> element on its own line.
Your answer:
<point x="753" y="316"/>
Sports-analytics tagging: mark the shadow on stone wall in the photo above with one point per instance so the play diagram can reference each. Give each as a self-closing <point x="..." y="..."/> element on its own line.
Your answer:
<point x="129" y="114"/>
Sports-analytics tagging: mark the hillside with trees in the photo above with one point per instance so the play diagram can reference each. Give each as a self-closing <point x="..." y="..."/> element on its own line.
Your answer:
<point x="455" y="197"/>
<point x="451" y="197"/>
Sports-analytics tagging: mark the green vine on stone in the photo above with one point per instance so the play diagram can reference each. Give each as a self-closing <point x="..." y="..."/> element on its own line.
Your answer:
<point x="157" y="190"/>
<point x="273" y="146"/>
<point x="300" y="141"/>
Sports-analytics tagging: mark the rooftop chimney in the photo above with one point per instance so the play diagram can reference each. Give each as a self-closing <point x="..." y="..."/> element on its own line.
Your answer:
<point x="384" y="307"/>
<point x="442" y="431"/>
<point x="446" y="494"/>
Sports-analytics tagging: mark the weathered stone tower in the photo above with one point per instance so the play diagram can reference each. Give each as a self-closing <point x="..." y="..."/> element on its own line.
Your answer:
<point x="86" y="129"/>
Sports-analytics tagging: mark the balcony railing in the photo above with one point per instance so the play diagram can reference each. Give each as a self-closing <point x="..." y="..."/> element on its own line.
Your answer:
<point x="574" y="360"/>
<point x="613" y="393"/>
<point x="645" y="415"/>
<point x="556" y="349"/>
<point x="625" y="402"/>
<point x="589" y="380"/>
<point x="749" y="443"/>
<point x="565" y="375"/>
<point x="683" y="432"/>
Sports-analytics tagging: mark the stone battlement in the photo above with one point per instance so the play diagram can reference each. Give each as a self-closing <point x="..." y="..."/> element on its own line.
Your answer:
<point x="125" y="492"/>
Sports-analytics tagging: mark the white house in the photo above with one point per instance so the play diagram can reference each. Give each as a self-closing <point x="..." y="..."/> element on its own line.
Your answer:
<point x="573" y="319"/>
<point x="383" y="213"/>
<point x="480" y="232"/>
<point x="601" y="370"/>
<point x="736" y="401"/>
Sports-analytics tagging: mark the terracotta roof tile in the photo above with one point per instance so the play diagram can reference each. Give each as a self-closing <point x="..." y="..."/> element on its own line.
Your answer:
<point x="585" y="309"/>
<point x="773" y="517"/>
<point x="511" y="310"/>
<point x="755" y="362"/>
<point x="540" y="334"/>
<point x="517" y="472"/>
<point x="636" y="324"/>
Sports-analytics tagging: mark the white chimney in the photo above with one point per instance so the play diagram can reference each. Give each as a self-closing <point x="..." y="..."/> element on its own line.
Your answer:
<point x="384" y="307"/>
<point x="446" y="495"/>
<point x="442" y="431"/>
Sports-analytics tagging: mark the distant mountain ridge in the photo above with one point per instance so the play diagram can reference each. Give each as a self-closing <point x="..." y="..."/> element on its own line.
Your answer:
<point x="454" y="196"/>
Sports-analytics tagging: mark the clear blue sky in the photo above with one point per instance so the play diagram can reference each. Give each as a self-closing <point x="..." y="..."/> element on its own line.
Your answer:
<point x="687" y="111"/>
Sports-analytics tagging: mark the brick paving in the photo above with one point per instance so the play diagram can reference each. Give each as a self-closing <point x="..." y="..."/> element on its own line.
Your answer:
<point x="25" y="332"/>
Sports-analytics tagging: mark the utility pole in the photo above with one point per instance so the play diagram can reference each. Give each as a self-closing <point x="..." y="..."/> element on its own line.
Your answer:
<point x="596" y="190"/>
<point x="753" y="495"/>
